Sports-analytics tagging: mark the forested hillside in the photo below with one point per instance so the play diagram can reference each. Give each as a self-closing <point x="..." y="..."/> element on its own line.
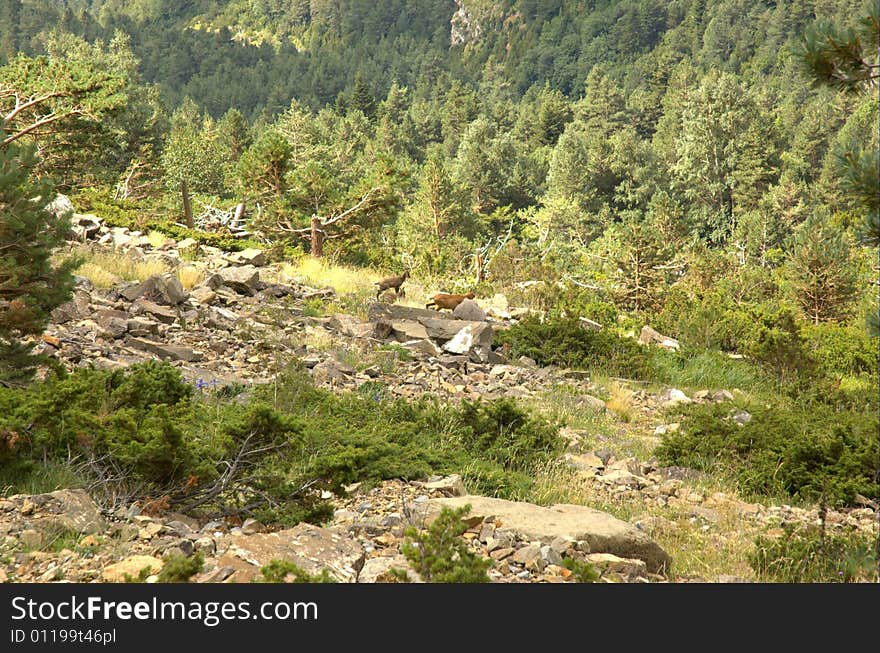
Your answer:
<point x="705" y="167"/>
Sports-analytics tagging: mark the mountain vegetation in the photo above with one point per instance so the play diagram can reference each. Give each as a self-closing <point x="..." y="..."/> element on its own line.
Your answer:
<point x="705" y="167"/>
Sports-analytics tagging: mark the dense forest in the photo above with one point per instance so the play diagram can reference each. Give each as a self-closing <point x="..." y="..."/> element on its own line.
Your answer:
<point x="708" y="167"/>
<point x="611" y="140"/>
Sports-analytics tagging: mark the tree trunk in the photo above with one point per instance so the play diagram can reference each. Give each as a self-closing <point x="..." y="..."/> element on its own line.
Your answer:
<point x="187" y="207"/>
<point x="317" y="238"/>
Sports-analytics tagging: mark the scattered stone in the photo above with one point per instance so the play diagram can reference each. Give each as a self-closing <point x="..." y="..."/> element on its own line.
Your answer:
<point x="451" y="486"/>
<point x="132" y="567"/>
<point x="742" y="418"/>
<point x="244" y="279"/>
<point x="650" y="336"/>
<point x="469" y="310"/>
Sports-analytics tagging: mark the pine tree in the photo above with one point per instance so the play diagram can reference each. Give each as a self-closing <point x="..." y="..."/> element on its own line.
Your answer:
<point x="847" y="60"/>
<point x="844" y="59"/>
<point x="30" y="286"/>
<point x="820" y="271"/>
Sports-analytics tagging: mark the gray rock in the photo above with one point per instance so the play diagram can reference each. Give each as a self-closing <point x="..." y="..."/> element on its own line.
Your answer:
<point x="310" y="547"/>
<point x="603" y="532"/>
<point x="742" y="418"/>
<point x="163" y="351"/>
<point x="405" y="330"/>
<point x="212" y="282"/>
<point x="62" y="510"/>
<point x="217" y="575"/>
<point x="163" y="289"/>
<point x="527" y="554"/>
<point x="60" y="207"/>
<point x="469" y="310"/>
<point x="146" y="307"/>
<point x="243" y="279"/>
<point x="650" y="336"/>
<point x="590" y="324"/>
<point x="252" y="256"/>
<point x="140" y="326"/>
<point x="451" y="486"/>
<point x="75" y="309"/>
<point x="85" y="227"/>
<point x="473" y="338"/>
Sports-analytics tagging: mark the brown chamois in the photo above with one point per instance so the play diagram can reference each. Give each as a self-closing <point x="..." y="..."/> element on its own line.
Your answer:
<point x="445" y="300"/>
<point x="391" y="282"/>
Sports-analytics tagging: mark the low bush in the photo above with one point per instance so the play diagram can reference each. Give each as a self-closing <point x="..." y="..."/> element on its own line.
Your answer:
<point x="285" y="571"/>
<point x="802" y="452"/>
<point x="180" y="568"/>
<point x="144" y="432"/>
<point x="811" y="556"/>
<point x="440" y="555"/>
<point x="567" y="343"/>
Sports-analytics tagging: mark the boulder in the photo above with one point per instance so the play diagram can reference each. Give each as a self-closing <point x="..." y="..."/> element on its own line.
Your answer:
<point x="164" y="351"/>
<point x="310" y="547"/>
<point x="243" y="279"/>
<point x="469" y="310"/>
<point x="57" y="512"/>
<point x="162" y="313"/>
<point x="131" y="567"/>
<point x="74" y="310"/>
<point x="60" y="206"/>
<point x="163" y="289"/>
<point x="85" y="227"/>
<point x="650" y="336"/>
<point x="252" y="256"/>
<point x="473" y="340"/>
<point x="601" y="531"/>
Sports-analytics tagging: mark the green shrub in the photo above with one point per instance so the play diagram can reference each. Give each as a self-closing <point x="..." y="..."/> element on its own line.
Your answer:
<point x="285" y="571"/>
<point x="809" y="556"/>
<point x="504" y="433"/>
<point x="567" y="343"/>
<point x="841" y="350"/>
<point x="180" y="568"/>
<point x="367" y="437"/>
<point x="581" y="570"/>
<point x="440" y="555"/>
<point x="802" y="452"/>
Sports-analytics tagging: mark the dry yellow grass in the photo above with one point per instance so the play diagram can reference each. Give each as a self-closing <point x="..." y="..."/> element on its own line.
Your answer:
<point x="190" y="276"/>
<point x="321" y="273"/>
<point x="157" y="239"/>
<point x="104" y="269"/>
<point x="620" y="402"/>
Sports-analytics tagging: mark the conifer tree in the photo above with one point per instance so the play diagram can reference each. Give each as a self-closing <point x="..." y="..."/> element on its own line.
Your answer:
<point x="30" y="286"/>
<point x="820" y="271"/>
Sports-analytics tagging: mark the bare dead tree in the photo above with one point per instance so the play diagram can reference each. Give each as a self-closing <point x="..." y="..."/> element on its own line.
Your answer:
<point x="317" y="233"/>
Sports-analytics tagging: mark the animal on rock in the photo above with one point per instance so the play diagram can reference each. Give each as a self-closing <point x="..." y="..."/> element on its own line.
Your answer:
<point x="391" y="282"/>
<point x="446" y="300"/>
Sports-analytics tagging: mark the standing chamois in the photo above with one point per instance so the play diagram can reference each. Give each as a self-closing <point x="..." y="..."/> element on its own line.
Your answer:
<point x="445" y="300"/>
<point x="391" y="282"/>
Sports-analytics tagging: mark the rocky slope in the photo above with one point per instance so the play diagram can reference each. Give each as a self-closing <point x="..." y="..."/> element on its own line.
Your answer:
<point x="241" y="323"/>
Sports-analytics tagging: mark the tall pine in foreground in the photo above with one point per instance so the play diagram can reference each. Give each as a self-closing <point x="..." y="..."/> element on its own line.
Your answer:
<point x="30" y="286"/>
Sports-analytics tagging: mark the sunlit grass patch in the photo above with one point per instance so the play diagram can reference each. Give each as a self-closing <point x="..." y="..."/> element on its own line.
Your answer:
<point x="321" y="273"/>
<point x="104" y="269"/>
<point x="157" y="239"/>
<point x="190" y="276"/>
